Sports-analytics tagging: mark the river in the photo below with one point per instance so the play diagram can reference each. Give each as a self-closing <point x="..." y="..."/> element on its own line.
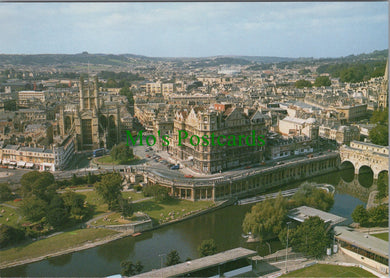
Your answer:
<point x="224" y="226"/>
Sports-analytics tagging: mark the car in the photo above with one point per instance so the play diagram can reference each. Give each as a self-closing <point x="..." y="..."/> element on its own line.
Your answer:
<point x="146" y="150"/>
<point x="320" y="153"/>
<point x="280" y="163"/>
<point x="175" y="167"/>
<point x="263" y="163"/>
<point x="248" y="167"/>
<point x="188" y="176"/>
<point x="148" y="156"/>
<point x="309" y="156"/>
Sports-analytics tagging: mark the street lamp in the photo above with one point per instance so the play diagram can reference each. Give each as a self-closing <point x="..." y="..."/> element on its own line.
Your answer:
<point x="161" y="256"/>
<point x="288" y="226"/>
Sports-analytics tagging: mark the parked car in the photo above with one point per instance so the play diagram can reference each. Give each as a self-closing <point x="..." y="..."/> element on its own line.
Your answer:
<point x="280" y="163"/>
<point x="175" y="167"/>
<point x="188" y="176"/>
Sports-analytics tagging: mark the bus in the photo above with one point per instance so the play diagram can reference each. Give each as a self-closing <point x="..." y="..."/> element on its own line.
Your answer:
<point x="98" y="152"/>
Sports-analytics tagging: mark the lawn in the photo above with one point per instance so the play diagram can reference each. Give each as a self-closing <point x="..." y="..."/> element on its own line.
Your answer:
<point x="116" y="219"/>
<point x="161" y="212"/>
<point x="384" y="236"/>
<point x="108" y="160"/>
<point x="53" y="244"/>
<point x="323" y="270"/>
<point x="13" y="216"/>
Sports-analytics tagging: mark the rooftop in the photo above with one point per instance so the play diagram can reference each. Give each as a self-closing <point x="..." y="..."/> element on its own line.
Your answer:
<point x="201" y="263"/>
<point x="302" y="213"/>
<point x="364" y="241"/>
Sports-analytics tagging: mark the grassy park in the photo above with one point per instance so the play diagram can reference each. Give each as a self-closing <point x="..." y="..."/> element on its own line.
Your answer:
<point x="108" y="160"/>
<point x="54" y="243"/>
<point x="384" y="236"/>
<point x="324" y="270"/>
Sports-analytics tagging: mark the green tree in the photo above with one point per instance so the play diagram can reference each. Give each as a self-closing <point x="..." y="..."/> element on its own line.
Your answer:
<point x="383" y="185"/>
<point x="130" y="269"/>
<point x="311" y="238"/>
<point x="173" y="258"/>
<point x="310" y="195"/>
<point x="126" y="207"/>
<point x="39" y="184"/>
<point x="360" y="215"/>
<point x="380" y="117"/>
<point x="9" y="235"/>
<point x="122" y="153"/>
<point x="267" y="218"/>
<point x="322" y="81"/>
<point x="33" y="209"/>
<point x="109" y="188"/>
<point x="160" y="193"/>
<point x="379" y="215"/>
<point x="75" y="205"/>
<point x="379" y="135"/>
<point x="5" y="192"/>
<point x="56" y="214"/>
<point x="303" y="84"/>
<point x="207" y="248"/>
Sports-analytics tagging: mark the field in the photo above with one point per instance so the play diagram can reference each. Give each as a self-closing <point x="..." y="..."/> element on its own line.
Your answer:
<point x="384" y="236"/>
<point x="323" y="270"/>
<point x="12" y="215"/>
<point x="52" y="244"/>
<point x="161" y="212"/>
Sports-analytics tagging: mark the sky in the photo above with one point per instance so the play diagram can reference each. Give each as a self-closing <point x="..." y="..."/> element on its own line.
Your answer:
<point x="328" y="29"/>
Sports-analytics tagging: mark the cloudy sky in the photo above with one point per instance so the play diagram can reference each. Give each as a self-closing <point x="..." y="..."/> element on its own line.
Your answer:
<point x="195" y="29"/>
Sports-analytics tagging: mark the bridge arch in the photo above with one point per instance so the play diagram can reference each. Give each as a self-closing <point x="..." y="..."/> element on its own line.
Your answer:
<point x="365" y="176"/>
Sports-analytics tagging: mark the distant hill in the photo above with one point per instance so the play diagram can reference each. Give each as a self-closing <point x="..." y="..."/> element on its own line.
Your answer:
<point x="128" y="59"/>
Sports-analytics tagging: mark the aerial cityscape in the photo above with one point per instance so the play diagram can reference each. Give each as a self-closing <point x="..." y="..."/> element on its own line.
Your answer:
<point x="194" y="140"/>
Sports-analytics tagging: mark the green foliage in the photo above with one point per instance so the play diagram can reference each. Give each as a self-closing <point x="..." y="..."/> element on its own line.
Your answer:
<point x="379" y="215"/>
<point x="125" y="91"/>
<point x="122" y="153"/>
<point x="137" y="187"/>
<point x="380" y="117"/>
<point x="322" y="81"/>
<point x="360" y="215"/>
<point x="160" y="193"/>
<point x="267" y="218"/>
<point x="303" y="84"/>
<point x="130" y="269"/>
<point x="33" y="209"/>
<point x="39" y="184"/>
<point x="383" y="185"/>
<point x="109" y="188"/>
<point x="5" y="192"/>
<point x="75" y="205"/>
<point x="354" y="72"/>
<point x="207" y="248"/>
<point x="379" y="135"/>
<point x="126" y="207"/>
<point x="311" y="238"/>
<point x="10" y="235"/>
<point x="173" y="258"/>
<point x="309" y="195"/>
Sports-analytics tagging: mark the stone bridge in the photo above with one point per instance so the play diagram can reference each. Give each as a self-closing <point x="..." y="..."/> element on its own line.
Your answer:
<point x="366" y="154"/>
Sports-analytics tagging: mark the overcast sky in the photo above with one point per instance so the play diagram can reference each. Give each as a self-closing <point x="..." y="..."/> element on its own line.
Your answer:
<point x="195" y="29"/>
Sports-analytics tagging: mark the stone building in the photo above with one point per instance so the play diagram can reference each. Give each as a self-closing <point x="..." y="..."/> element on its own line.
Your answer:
<point x="92" y="123"/>
<point x="234" y="131"/>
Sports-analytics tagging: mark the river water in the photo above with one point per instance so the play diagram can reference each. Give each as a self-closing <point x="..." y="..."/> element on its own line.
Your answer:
<point x="223" y="225"/>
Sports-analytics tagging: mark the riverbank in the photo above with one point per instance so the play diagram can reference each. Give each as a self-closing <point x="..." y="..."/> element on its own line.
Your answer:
<point x="15" y="251"/>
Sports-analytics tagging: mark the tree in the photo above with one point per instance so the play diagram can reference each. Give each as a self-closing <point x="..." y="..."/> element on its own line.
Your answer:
<point x="33" y="208"/>
<point x="130" y="269"/>
<point x="75" y="205"/>
<point x="322" y="81"/>
<point x="126" y="207"/>
<point x="38" y="184"/>
<point x="207" y="248"/>
<point x="379" y="135"/>
<point x="383" y="185"/>
<point x="311" y="238"/>
<point x="267" y="218"/>
<point x="109" y="188"/>
<point x="379" y="215"/>
<point x="5" y="192"/>
<point x="122" y="153"/>
<point x="56" y="214"/>
<point x="360" y="215"/>
<point x="173" y="258"/>
<point x="9" y="235"/>
<point x="303" y="84"/>
<point x="312" y="196"/>
<point x="160" y="193"/>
